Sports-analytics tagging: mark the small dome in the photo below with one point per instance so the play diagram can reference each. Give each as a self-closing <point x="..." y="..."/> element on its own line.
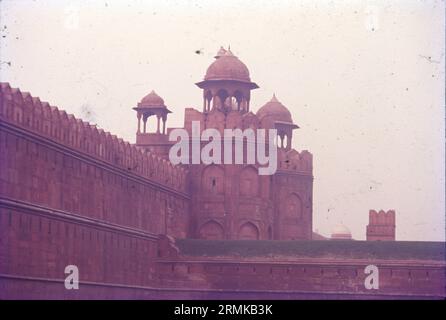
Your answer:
<point x="275" y="109"/>
<point x="152" y="100"/>
<point x="227" y="67"/>
<point x="341" y="232"/>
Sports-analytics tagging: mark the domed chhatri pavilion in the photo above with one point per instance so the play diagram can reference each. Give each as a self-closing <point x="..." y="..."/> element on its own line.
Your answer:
<point x="234" y="201"/>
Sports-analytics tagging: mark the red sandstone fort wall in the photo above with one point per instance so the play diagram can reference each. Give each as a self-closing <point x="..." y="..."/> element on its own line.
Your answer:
<point x="56" y="160"/>
<point x="37" y="244"/>
<point x="73" y="194"/>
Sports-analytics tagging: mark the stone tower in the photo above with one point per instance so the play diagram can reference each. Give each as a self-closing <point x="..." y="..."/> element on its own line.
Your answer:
<point x="381" y="226"/>
<point x="232" y="200"/>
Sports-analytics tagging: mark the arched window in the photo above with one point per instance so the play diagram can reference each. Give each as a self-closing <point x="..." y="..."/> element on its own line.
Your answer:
<point x="294" y="207"/>
<point x="211" y="231"/>
<point x="248" y="231"/>
<point x="238" y="96"/>
<point x="221" y="95"/>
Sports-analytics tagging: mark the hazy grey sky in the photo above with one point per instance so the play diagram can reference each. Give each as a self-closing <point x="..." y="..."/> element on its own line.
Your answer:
<point x="363" y="79"/>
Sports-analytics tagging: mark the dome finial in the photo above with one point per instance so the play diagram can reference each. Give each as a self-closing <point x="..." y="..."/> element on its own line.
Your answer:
<point x="221" y="52"/>
<point x="229" y="52"/>
<point x="274" y="98"/>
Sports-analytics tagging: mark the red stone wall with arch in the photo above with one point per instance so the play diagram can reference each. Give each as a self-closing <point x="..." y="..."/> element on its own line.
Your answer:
<point x="212" y="230"/>
<point x="248" y="231"/>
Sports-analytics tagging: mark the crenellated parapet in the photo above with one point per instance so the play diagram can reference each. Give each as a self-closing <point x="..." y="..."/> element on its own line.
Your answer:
<point x="381" y="225"/>
<point x="294" y="161"/>
<point x="21" y="109"/>
<point x="220" y="120"/>
<point x="382" y="217"/>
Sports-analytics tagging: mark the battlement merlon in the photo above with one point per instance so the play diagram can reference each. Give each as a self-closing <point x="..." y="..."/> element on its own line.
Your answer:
<point x="381" y="225"/>
<point x="382" y="217"/>
<point x="23" y="110"/>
